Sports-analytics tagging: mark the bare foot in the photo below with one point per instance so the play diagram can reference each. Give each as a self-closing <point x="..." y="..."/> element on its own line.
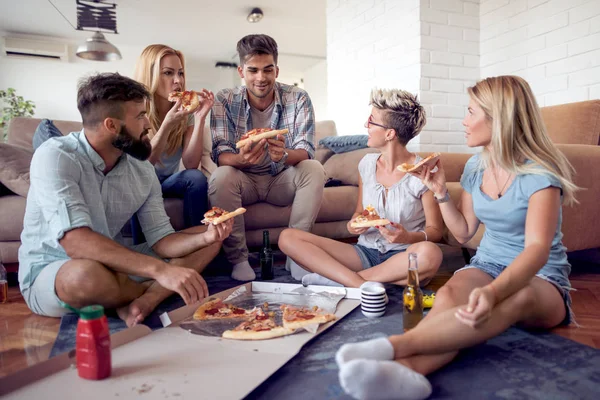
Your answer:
<point x="136" y="311"/>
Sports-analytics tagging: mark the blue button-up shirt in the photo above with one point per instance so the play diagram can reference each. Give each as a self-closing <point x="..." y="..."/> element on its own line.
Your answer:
<point x="70" y="190"/>
<point x="231" y="118"/>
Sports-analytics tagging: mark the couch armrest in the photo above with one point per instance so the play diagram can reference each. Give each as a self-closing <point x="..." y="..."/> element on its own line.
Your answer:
<point x="581" y="221"/>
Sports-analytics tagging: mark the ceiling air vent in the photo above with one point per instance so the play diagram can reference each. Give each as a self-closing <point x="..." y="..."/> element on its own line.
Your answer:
<point x="31" y="48"/>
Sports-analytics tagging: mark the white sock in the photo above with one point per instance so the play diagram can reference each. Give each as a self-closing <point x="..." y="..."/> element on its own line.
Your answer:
<point x="243" y="272"/>
<point x="316" y="279"/>
<point x="380" y="349"/>
<point x="379" y="380"/>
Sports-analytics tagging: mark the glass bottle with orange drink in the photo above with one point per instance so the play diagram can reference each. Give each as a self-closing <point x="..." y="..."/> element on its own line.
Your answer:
<point x="412" y="296"/>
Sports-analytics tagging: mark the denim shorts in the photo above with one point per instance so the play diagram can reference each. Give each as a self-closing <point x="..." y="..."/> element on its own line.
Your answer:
<point x="371" y="257"/>
<point x="553" y="275"/>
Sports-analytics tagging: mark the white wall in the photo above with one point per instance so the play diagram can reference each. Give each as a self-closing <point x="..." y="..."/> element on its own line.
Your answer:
<point x="554" y="44"/>
<point x="52" y="84"/>
<point x="449" y="64"/>
<point x="369" y="44"/>
<point x="315" y="83"/>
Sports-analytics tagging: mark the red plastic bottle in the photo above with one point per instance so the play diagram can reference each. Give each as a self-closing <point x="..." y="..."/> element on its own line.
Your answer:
<point x="93" y="344"/>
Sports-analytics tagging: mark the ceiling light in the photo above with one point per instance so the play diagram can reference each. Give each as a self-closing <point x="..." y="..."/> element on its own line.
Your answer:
<point x="97" y="48"/>
<point x="225" y="65"/>
<point x="255" y="15"/>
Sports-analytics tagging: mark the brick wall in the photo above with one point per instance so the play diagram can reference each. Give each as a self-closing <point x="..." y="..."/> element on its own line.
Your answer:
<point x="554" y="44"/>
<point x="449" y="64"/>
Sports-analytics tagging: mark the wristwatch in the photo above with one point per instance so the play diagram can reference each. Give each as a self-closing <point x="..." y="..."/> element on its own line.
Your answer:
<point x="284" y="158"/>
<point x="444" y="199"/>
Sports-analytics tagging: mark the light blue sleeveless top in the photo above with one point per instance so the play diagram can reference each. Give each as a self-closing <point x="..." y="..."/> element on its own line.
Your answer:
<point x="169" y="164"/>
<point x="504" y="218"/>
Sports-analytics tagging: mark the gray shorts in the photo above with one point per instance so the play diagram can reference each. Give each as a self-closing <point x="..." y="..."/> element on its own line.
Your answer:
<point x="41" y="297"/>
<point x="553" y="275"/>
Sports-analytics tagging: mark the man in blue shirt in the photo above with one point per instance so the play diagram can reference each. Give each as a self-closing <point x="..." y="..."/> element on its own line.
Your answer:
<point x="280" y="171"/>
<point x="84" y="188"/>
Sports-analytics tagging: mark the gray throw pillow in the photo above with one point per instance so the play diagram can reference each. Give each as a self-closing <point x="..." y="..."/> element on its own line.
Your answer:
<point x="344" y="144"/>
<point x="45" y="130"/>
<point x="14" y="168"/>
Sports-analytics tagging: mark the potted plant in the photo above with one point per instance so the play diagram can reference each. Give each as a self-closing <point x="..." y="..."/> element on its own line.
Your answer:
<point x="14" y="106"/>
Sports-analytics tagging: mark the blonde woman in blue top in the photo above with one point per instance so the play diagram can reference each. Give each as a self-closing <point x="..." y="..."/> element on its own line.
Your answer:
<point x="381" y="253"/>
<point x="176" y="134"/>
<point x="519" y="274"/>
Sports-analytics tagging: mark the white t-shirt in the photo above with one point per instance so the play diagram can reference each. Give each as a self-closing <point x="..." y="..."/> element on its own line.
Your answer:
<point x="401" y="204"/>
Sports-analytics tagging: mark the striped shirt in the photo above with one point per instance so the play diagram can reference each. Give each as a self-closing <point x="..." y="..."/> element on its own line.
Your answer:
<point x="70" y="190"/>
<point x="400" y="203"/>
<point x="231" y="118"/>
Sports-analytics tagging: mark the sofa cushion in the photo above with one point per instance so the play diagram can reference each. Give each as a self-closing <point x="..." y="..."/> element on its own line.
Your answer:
<point x="344" y="167"/>
<point x="12" y="210"/>
<point x="14" y="168"/>
<point x="573" y="123"/>
<point x="21" y="129"/>
<point x="44" y="131"/>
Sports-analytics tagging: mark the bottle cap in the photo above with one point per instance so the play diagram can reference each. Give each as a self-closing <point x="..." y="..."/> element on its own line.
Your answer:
<point x="91" y="312"/>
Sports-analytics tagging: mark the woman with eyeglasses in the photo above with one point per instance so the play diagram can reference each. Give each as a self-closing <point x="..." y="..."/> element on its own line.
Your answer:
<point x="381" y="254"/>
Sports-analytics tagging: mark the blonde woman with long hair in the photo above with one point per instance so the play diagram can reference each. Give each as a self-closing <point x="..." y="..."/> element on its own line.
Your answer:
<point x="381" y="253"/>
<point x="519" y="274"/>
<point x="176" y="134"/>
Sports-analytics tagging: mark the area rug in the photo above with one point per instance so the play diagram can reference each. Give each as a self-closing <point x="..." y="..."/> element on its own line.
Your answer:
<point x="515" y="365"/>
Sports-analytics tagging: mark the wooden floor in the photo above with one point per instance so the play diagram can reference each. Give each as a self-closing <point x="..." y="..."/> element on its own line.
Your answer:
<point x="26" y="339"/>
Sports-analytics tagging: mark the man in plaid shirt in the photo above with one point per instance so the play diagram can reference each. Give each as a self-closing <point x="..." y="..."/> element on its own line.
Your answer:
<point x="280" y="171"/>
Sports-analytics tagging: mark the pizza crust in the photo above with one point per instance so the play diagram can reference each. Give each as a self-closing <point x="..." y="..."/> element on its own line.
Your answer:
<point x="369" y="224"/>
<point x="224" y="217"/>
<point x="318" y="319"/>
<point x="260" y="335"/>
<point x="430" y="161"/>
<point x="260" y="136"/>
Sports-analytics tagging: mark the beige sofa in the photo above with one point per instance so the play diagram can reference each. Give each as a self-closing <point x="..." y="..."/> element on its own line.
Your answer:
<point x="576" y="127"/>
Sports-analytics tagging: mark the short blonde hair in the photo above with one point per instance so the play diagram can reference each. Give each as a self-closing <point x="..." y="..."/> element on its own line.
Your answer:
<point x="402" y="112"/>
<point x="519" y="133"/>
<point x="147" y="71"/>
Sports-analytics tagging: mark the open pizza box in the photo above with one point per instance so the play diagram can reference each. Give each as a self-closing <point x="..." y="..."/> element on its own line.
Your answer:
<point x="172" y="362"/>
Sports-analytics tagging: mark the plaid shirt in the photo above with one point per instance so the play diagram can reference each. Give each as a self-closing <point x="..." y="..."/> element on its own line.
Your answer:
<point x="230" y="119"/>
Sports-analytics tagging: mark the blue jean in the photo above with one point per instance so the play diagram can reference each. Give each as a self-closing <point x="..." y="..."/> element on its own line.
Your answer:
<point x="372" y="257"/>
<point x="190" y="185"/>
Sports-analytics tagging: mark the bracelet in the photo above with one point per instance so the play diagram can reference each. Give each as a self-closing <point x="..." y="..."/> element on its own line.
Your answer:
<point x="425" y="233"/>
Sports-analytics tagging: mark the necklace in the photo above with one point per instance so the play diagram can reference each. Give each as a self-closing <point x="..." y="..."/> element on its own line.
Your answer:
<point x="498" y="186"/>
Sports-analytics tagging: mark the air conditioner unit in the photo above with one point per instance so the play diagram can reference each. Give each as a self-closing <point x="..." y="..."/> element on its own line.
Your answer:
<point x="19" y="47"/>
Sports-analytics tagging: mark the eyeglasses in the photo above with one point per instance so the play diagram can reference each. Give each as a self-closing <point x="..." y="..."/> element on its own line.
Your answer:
<point x="370" y="122"/>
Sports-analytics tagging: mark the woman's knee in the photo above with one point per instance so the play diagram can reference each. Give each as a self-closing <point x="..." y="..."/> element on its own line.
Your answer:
<point x="287" y="237"/>
<point x="429" y="257"/>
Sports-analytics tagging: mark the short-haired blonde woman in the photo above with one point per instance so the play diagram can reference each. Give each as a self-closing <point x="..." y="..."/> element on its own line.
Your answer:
<point x="519" y="274"/>
<point x="381" y="254"/>
<point x="176" y="135"/>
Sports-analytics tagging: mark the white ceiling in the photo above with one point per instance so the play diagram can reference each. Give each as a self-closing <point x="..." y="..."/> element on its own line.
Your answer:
<point x="205" y="30"/>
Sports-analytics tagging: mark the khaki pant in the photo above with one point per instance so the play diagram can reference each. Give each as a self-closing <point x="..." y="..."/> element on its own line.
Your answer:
<point x="300" y="185"/>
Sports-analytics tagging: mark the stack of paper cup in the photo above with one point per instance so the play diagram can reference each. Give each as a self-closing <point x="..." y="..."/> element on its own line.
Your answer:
<point x="372" y="299"/>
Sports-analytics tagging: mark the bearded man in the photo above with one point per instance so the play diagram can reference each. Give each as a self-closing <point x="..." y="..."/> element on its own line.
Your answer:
<point x="84" y="187"/>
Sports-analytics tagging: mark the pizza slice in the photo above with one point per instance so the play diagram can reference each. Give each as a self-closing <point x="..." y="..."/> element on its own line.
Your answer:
<point x="295" y="317"/>
<point x="216" y="215"/>
<point x="260" y="327"/>
<point x="189" y="99"/>
<point x="429" y="161"/>
<point x="217" y="309"/>
<point x="256" y="135"/>
<point x="369" y="218"/>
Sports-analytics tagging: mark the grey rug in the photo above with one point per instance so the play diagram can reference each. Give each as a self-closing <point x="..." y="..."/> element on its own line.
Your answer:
<point x="515" y="365"/>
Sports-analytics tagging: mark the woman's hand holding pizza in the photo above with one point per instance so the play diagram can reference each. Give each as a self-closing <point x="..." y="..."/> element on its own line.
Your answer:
<point x="207" y="99"/>
<point x="355" y="231"/>
<point x="395" y="235"/>
<point x="175" y="114"/>
<point x="252" y="154"/>
<point x="219" y="232"/>
<point x="276" y="148"/>
<point x="435" y="180"/>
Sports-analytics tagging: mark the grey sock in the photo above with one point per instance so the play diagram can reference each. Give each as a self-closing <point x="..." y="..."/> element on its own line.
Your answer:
<point x="243" y="272"/>
<point x="316" y="279"/>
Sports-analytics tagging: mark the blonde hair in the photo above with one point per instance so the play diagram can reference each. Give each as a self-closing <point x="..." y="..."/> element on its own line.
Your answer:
<point x="147" y="72"/>
<point x="519" y="133"/>
<point x="402" y="112"/>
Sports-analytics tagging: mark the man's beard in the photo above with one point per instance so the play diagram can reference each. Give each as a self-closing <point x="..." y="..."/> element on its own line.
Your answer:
<point x="137" y="148"/>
